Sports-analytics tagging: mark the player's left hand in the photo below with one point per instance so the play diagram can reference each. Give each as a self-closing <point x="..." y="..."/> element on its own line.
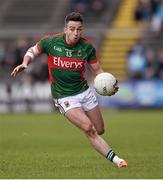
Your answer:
<point x="18" y="69"/>
<point x="116" y="88"/>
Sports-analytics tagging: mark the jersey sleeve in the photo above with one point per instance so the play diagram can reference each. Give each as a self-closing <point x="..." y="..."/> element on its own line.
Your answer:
<point x="42" y="45"/>
<point x="92" y="57"/>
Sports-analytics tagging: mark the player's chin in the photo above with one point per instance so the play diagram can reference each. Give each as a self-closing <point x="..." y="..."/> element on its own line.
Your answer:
<point x="75" y="40"/>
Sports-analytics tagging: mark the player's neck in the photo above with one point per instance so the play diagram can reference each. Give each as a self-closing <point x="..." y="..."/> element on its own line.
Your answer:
<point x="69" y="43"/>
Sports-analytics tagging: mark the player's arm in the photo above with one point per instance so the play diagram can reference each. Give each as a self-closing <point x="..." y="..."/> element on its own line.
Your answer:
<point x="93" y="62"/>
<point x="28" y="57"/>
<point x="95" y="68"/>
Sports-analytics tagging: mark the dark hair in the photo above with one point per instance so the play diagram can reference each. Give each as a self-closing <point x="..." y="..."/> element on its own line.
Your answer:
<point x="74" y="16"/>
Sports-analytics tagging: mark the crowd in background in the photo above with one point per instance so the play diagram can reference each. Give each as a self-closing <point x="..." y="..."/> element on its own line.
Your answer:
<point x="11" y="55"/>
<point x="88" y="7"/>
<point x="145" y="63"/>
<point x="152" y="11"/>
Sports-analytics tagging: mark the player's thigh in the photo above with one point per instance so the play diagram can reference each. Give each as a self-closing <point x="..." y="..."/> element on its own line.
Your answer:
<point x="78" y="117"/>
<point x="96" y="118"/>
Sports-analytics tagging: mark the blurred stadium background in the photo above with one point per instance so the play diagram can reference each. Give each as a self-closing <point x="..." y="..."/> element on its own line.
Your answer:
<point x="129" y="36"/>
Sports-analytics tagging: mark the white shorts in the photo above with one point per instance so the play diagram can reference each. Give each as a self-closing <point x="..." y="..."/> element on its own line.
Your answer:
<point x="86" y="100"/>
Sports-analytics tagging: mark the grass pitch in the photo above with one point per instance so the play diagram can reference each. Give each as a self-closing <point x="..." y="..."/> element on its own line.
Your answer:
<point x="47" y="146"/>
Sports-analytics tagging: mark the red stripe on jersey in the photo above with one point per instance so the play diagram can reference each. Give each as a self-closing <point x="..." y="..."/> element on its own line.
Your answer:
<point x="51" y="78"/>
<point x="38" y="48"/>
<point x="92" y="61"/>
<point x="66" y="63"/>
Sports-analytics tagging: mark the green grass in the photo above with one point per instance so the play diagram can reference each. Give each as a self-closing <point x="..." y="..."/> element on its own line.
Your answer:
<point x="47" y="146"/>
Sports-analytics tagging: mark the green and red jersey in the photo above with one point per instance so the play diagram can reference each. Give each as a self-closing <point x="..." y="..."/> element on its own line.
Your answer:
<point x="67" y="64"/>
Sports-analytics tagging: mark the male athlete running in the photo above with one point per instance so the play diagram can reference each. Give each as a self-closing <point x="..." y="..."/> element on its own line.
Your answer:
<point x="68" y="53"/>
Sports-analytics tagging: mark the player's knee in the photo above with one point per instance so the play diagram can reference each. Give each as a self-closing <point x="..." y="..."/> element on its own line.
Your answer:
<point x="100" y="131"/>
<point x="89" y="129"/>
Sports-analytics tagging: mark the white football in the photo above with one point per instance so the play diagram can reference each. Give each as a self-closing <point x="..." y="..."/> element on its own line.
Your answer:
<point x="104" y="84"/>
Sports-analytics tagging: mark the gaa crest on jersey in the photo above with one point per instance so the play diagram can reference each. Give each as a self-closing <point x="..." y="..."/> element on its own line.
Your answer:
<point x="57" y="49"/>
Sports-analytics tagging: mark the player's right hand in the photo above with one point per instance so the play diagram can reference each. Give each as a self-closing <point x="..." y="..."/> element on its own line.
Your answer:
<point x="18" y="69"/>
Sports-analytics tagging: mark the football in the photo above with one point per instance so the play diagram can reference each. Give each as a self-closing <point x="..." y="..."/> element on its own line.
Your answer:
<point x="104" y="84"/>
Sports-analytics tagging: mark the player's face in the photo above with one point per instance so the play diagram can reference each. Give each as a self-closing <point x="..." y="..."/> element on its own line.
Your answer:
<point x="73" y="31"/>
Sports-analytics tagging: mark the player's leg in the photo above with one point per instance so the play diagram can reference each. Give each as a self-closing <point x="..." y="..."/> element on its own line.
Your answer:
<point x="91" y="108"/>
<point x="90" y="105"/>
<point x="96" y="118"/>
<point x="78" y="117"/>
<point x="72" y="108"/>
